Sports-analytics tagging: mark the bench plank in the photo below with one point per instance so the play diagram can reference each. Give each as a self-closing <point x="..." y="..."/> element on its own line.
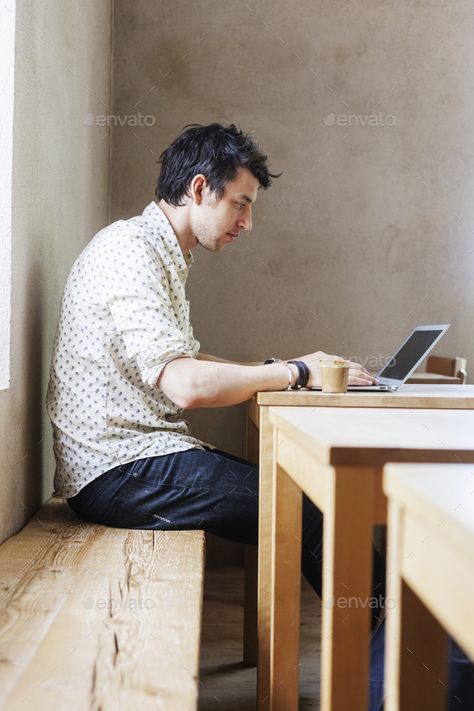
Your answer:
<point x="99" y="617"/>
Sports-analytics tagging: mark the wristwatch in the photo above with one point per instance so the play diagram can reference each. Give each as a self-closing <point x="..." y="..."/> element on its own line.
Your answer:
<point x="269" y="361"/>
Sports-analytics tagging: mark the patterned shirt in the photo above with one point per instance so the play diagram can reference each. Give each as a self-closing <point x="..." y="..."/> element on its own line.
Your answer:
<point x="123" y="316"/>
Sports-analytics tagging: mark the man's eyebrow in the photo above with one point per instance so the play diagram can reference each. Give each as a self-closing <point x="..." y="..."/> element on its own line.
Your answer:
<point x="245" y="197"/>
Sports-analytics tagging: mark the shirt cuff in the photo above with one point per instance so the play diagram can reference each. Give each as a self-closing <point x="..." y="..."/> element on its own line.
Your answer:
<point x="152" y="366"/>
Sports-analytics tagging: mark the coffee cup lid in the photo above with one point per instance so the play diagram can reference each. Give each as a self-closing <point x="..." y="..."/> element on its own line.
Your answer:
<point x="337" y="363"/>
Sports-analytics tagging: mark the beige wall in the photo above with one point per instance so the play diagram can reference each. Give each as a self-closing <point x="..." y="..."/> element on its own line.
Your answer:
<point x="369" y="230"/>
<point x="60" y="198"/>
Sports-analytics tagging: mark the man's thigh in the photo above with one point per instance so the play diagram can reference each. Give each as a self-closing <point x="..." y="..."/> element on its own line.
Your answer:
<point x="185" y="490"/>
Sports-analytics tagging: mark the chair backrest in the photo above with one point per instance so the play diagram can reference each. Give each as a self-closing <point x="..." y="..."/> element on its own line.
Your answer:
<point x="455" y="367"/>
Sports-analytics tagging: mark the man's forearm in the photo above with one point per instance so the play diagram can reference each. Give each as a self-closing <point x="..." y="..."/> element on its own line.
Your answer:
<point x="215" y="359"/>
<point x="192" y="383"/>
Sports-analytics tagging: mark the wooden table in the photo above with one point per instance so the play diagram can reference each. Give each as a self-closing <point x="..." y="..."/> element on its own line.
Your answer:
<point x="260" y="442"/>
<point x="335" y="455"/>
<point x="425" y="396"/>
<point x="430" y="577"/>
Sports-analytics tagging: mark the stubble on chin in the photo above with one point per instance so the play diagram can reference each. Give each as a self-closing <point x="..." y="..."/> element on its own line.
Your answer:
<point x="214" y="246"/>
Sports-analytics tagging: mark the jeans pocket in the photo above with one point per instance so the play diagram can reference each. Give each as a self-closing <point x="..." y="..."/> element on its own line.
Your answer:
<point x="150" y="472"/>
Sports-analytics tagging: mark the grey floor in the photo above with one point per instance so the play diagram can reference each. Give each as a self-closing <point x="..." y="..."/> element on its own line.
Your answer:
<point x="225" y="684"/>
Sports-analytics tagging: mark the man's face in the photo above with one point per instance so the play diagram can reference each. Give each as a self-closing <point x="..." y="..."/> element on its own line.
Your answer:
<point x="217" y="222"/>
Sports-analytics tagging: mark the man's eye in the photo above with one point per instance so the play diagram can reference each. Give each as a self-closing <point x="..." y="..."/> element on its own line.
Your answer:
<point x="241" y="205"/>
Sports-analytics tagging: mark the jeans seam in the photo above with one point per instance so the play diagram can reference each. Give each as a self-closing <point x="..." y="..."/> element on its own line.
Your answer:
<point x="191" y="487"/>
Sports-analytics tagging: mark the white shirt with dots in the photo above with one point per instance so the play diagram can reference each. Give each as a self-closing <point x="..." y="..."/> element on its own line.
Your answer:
<point x="124" y="315"/>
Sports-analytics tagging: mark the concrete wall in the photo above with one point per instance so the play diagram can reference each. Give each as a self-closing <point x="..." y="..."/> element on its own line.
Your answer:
<point x="60" y="199"/>
<point x="367" y="108"/>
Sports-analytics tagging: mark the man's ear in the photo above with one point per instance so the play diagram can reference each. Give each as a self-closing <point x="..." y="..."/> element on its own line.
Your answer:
<point x="198" y="184"/>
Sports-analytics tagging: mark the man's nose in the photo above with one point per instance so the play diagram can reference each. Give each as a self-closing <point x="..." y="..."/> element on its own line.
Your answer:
<point x="245" y="222"/>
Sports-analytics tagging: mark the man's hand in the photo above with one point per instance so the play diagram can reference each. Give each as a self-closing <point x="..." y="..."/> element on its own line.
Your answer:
<point x="358" y="375"/>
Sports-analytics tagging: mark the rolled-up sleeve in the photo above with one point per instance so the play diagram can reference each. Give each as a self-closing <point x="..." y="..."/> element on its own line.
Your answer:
<point x="151" y="317"/>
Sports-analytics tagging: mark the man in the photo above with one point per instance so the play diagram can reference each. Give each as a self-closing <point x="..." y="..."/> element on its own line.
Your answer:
<point x="126" y="363"/>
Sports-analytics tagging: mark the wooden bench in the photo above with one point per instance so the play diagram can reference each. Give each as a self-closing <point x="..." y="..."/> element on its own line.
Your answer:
<point x="94" y="617"/>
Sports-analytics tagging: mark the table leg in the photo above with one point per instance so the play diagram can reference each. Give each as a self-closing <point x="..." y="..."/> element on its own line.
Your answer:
<point x="347" y="578"/>
<point x="250" y="651"/>
<point x="416" y="644"/>
<point x="286" y="593"/>
<point x="250" y="606"/>
<point x="264" y="559"/>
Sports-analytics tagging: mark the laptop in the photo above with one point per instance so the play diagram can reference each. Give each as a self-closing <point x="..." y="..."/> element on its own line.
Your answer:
<point x="406" y="359"/>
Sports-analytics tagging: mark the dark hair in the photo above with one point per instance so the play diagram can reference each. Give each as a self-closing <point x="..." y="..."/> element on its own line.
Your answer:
<point x="215" y="151"/>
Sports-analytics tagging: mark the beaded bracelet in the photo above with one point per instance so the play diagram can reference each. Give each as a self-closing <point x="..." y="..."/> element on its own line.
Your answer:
<point x="303" y="374"/>
<point x="291" y="377"/>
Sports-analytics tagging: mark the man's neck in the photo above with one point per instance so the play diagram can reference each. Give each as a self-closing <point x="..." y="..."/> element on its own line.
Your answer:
<point x="178" y="219"/>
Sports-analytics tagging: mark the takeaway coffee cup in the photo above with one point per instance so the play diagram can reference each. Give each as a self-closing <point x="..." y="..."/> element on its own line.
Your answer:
<point x="335" y="375"/>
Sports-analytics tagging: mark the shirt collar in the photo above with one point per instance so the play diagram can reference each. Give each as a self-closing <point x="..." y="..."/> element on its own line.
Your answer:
<point x="155" y="215"/>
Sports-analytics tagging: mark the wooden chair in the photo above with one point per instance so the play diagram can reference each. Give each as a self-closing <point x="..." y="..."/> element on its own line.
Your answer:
<point x="441" y="371"/>
<point x="454" y="367"/>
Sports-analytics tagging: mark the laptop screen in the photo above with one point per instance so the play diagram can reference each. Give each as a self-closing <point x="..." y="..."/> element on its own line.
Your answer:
<point x="409" y="354"/>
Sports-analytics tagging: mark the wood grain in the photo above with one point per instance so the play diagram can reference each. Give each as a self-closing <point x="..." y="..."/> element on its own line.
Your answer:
<point x="412" y="396"/>
<point x="430" y="578"/>
<point x="265" y="558"/>
<point x="436" y="540"/>
<point x="347" y="563"/>
<point x="250" y="647"/>
<point x="286" y="592"/>
<point x="372" y="437"/>
<point x="96" y="617"/>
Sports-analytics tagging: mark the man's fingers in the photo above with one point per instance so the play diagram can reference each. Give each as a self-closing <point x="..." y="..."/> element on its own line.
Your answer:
<point x="359" y="376"/>
<point x="358" y="366"/>
<point x="357" y="380"/>
<point x="357" y="370"/>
